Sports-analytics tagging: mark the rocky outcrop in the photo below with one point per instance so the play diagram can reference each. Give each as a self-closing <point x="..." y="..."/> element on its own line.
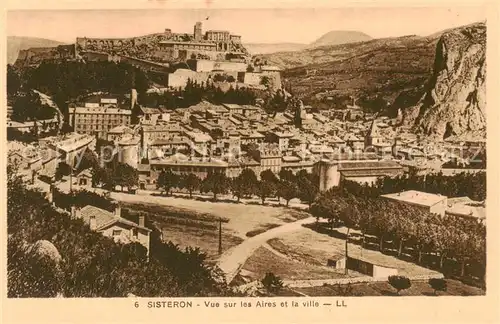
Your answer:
<point x="35" y="56"/>
<point x="45" y="249"/>
<point x="454" y="100"/>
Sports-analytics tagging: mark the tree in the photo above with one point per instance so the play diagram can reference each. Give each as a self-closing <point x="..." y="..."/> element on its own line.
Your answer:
<point x="245" y="184"/>
<point x="124" y="175"/>
<point x="272" y="283"/>
<point x="265" y="81"/>
<point x="250" y="68"/>
<point x="265" y="189"/>
<point x="13" y="81"/>
<point x="62" y="170"/>
<point x="399" y="283"/>
<point x="191" y="182"/>
<point x="216" y="183"/>
<point x="438" y="285"/>
<point x="167" y="180"/>
<point x="88" y="161"/>
<point x="308" y="188"/>
<point x="287" y="175"/>
<point x="268" y="175"/>
<point x="350" y="217"/>
<point x="287" y="190"/>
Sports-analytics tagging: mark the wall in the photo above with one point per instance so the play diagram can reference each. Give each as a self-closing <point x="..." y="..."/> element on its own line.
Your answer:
<point x="440" y="207"/>
<point x="126" y="235"/>
<point x="230" y="66"/>
<point x="362" y="180"/>
<point x="129" y="154"/>
<point x="328" y="176"/>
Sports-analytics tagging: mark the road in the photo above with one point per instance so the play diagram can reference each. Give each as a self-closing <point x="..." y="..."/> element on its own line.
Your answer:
<point x="233" y="259"/>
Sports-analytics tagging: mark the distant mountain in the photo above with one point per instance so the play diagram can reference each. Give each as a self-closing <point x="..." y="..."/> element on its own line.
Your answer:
<point x="16" y="43"/>
<point x="266" y="48"/>
<point x="337" y="37"/>
<point x="334" y="37"/>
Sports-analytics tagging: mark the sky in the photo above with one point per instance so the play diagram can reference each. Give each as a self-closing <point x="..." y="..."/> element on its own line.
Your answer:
<point x="299" y="25"/>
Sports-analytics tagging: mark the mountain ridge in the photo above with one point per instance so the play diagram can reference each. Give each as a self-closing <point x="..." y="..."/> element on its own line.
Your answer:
<point x="15" y="44"/>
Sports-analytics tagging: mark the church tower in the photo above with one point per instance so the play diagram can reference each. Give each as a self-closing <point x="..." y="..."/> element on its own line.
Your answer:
<point x="197" y="32"/>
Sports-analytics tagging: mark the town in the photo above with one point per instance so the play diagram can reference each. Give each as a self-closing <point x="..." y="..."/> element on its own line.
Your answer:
<point x="190" y="139"/>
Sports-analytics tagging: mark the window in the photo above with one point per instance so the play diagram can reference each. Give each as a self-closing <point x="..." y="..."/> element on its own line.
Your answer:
<point x="135" y="232"/>
<point x="117" y="232"/>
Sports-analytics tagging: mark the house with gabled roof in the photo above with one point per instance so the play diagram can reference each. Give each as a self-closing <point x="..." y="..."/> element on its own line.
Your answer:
<point x="112" y="225"/>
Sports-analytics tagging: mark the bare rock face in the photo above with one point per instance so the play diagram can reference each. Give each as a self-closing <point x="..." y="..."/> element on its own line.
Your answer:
<point x="454" y="102"/>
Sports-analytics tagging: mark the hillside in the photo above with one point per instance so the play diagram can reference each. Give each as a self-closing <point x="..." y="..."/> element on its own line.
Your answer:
<point x="454" y="100"/>
<point x="337" y="37"/>
<point x="15" y="44"/>
<point x="266" y="48"/>
<point x="377" y="68"/>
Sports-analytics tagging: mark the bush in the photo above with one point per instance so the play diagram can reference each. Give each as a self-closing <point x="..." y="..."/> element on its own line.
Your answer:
<point x="438" y="285"/>
<point x="272" y="283"/>
<point x="399" y="283"/>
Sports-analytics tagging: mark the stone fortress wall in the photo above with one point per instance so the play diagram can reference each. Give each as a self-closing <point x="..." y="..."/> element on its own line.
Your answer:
<point x="167" y="46"/>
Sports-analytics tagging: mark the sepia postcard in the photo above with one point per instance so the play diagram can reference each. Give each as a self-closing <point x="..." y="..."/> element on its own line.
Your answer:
<point x="227" y="162"/>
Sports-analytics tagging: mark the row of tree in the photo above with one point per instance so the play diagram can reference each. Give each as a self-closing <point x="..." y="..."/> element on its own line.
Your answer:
<point x="472" y="185"/>
<point x="409" y="228"/>
<point x="91" y="265"/>
<point x="245" y="185"/>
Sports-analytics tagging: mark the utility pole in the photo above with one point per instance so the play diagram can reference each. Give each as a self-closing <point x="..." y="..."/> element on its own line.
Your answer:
<point x="220" y="236"/>
<point x="70" y="179"/>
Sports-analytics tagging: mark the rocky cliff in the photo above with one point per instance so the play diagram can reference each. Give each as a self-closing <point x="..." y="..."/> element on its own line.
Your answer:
<point x="454" y="99"/>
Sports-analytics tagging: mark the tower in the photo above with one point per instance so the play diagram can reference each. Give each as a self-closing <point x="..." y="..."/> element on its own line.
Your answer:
<point x="197" y="31"/>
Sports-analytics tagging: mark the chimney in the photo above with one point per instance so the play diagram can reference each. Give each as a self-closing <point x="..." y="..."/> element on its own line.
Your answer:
<point x="73" y="212"/>
<point x="118" y="210"/>
<point x="93" y="223"/>
<point x="142" y="220"/>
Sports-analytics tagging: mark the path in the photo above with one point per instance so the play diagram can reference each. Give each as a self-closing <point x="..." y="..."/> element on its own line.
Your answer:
<point x="233" y="259"/>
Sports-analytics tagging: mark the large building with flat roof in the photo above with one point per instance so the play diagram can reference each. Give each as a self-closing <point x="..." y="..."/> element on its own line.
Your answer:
<point x="430" y="202"/>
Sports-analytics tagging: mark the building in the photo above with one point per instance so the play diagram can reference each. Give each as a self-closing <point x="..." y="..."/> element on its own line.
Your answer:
<point x="98" y="121"/>
<point x="69" y="146"/>
<point x="180" y="163"/>
<point x="280" y="138"/>
<point x="466" y="208"/>
<point x="363" y="169"/>
<point x="114" y="226"/>
<point x="429" y="202"/>
<point x="214" y="44"/>
<point x="151" y="133"/>
<point x="118" y="132"/>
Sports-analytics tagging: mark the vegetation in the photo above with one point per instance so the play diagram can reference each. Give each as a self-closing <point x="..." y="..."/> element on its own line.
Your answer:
<point x="115" y="173"/>
<point x="399" y="283"/>
<point x="28" y="107"/>
<point x="449" y="243"/>
<point x="92" y="265"/>
<point x="216" y="183"/>
<point x="438" y="285"/>
<point x="65" y="81"/>
<point x="195" y="92"/>
<point x="244" y="185"/>
<point x="272" y="283"/>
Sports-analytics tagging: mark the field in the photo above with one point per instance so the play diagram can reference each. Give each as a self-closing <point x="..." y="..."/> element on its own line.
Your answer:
<point x="312" y="247"/>
<point x="242" y="218"/>
<point x="194" y="223"/>
<point x="418" y="288"/>
<point x="263" y="260"/>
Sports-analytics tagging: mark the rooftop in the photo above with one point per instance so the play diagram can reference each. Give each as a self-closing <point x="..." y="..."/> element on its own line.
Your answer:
<point x="416" y="197"/>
